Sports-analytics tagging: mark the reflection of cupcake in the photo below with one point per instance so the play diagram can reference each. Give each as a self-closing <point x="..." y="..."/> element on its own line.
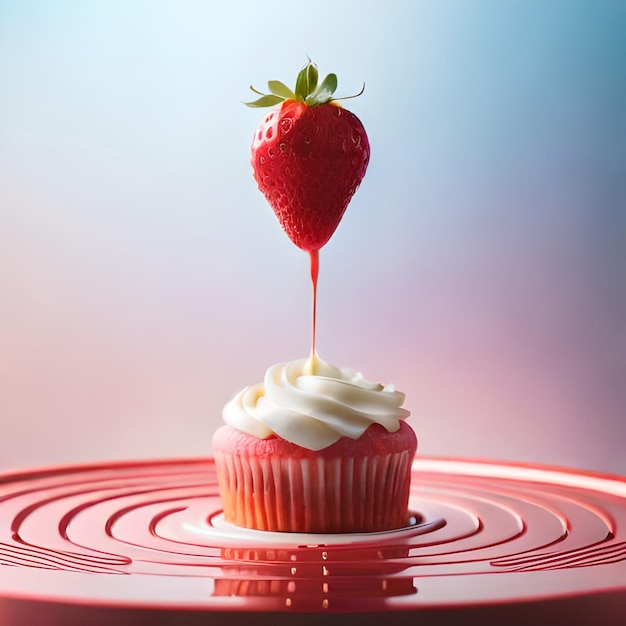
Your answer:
<point x="308" y="577"/>
<point x="322" y="452"/>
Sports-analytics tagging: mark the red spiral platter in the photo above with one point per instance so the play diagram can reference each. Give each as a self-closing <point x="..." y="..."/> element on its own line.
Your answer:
<point x="145" y="542"/>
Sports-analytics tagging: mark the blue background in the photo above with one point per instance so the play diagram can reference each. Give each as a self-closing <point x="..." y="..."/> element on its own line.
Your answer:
<point x="480" y="266"/>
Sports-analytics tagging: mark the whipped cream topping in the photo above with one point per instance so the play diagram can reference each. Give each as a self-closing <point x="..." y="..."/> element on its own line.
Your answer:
<point x="313" y="404"/>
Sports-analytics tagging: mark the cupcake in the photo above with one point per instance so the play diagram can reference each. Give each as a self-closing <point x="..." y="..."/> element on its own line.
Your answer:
<point x="322" y="452"/>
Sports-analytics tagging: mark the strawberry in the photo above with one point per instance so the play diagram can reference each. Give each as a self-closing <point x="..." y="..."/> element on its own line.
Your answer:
<point x="309" y="155"/>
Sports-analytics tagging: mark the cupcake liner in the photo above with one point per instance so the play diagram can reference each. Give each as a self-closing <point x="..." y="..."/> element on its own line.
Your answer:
<point x="318" y="495"/>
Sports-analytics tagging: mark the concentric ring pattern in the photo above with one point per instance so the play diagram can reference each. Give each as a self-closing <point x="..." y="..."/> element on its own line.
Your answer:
<point x="151" y="534"/>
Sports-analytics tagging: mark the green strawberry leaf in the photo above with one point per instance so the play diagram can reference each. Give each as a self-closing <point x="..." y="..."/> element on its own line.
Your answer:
<point x="302" y="84"/>
<point x="306" y="81"/>
<point x="280" y="89"/>
<point x="312" y="76"/>
<point x="324" y="92"/>
<point x="265" y="101"/>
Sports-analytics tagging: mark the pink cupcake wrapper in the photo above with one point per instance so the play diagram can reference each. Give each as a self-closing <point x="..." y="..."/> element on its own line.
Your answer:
<point x="341" y="494"/>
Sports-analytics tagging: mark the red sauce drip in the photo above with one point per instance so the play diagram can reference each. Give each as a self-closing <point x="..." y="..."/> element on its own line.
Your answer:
<point x="315" y="266"/>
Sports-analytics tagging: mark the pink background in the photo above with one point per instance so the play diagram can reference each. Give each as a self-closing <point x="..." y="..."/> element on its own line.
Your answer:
<point x="480" y="267"/>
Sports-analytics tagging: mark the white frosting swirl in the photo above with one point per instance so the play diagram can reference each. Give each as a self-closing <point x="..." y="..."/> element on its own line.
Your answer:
<point x="313" y="404"/>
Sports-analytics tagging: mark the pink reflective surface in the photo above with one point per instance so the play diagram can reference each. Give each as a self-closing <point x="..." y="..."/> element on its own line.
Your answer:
<point x="120" y="538"/>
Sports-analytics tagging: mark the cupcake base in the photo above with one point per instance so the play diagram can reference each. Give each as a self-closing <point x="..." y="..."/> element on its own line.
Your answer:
<point x="352" y="486"/>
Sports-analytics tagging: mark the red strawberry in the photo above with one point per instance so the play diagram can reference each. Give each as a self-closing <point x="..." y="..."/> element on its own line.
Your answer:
<point x="309" y="155"/>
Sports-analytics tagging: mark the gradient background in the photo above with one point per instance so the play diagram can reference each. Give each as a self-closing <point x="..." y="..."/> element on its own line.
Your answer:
<point x="481" y="266"/>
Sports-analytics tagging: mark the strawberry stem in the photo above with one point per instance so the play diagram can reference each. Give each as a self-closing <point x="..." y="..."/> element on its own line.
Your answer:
<point x="307" y="90"/>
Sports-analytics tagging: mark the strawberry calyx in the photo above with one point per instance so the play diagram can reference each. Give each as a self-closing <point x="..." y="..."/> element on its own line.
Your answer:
<point x="307" y="90"/>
